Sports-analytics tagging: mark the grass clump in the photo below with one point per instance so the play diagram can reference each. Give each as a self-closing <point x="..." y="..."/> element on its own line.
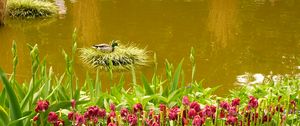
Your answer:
<point x="122" y="58"/>
<point x="31" y="8"/>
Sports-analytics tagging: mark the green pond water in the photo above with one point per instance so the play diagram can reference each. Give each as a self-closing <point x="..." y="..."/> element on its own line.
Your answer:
<point x="231" y="37"/>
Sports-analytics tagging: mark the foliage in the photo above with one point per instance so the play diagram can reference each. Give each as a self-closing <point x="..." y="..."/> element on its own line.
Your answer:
<point x="30" y="8"/>
<point x="50" y="99"/>
<point x="123" y="57"/>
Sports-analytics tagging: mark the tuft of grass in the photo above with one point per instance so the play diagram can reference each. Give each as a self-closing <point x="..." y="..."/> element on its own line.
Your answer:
<point x="122" y="58"/>
<point x="30" y="8"/>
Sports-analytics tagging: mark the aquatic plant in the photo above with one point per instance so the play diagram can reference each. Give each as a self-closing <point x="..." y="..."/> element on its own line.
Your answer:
<point x="30" y="8"/>
<point x="59" y="100"/>
<point x="122" y="58"/>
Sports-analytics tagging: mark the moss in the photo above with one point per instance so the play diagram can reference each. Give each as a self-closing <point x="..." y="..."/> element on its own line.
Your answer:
<point x="120" y="59"/>
<point x="31" y="8"/>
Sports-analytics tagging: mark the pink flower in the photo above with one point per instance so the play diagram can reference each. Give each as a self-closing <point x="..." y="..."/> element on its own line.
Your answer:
<point x="232" y="111"/>
<point x="253" y="103"/>
<point x="112" y="107"/>
<point x="73" y="103"/>
<point x="224" y="105"/>
<point x="173" y="113"/>
<point x="42" y="106"/>
<point x="59" y="123"/>
<point x="132" y="119"/>
<point x="198" y="121"/>
<point x="52" y="117"/>
<point x="80" y="120"/>
<point x="111" y="124"/>
<point x="137" y="108"/>
<point x="231" y="120"/>
<point x="124" y="113"/>
<point x="209" y="111"/>
<point x="192" y="112"/>
<point x="35" y="118"/>
<point x="102" y="113"/>
<point x="71" y="116"/>
<point x="196" y="106"/>
<point x="235" y="102"/>
<point x="162" y="107"/>
<point x="185" y="101"/>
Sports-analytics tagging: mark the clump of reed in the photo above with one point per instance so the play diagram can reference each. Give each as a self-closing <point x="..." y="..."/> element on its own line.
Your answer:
<point x="30" y="8"/>
<point x="122" y="58"/>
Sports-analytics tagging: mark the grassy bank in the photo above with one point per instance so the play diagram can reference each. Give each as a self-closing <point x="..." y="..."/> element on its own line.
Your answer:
<point x="30" y="8"/>
<point x="49" y="99"/>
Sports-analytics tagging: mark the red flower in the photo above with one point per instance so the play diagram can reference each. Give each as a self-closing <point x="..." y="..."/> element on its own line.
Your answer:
<point x="59" y="123"/>
<point x="232" y="111"/>
<point x="162" y="107"/>
<point x="209" y="111"/>
<point x="111" y="124"/>
<point x="222" y="113"/>
<point x="35" y="118"/>
<point x="192" y="112"/>
<point x="224" y="105"/>
<point x="52" y="117"/>
<point x="42" y="106"/>
<point x="132" y="119"/>
<point x="124" y="113"/>
<point x="195" y="106"/>
<point x="253" y="103"/>
<point x="112" y="107"/>
<point x="137" y="108"/>
<point x="231" y="120"/>
<point x="185" y="101"/>
<point x="198" y="121"/>
<point x="73" y="103"/>
<point x="235" y="102"/>
<point x="80" y="120"/>
<point x="173" y="113"/>
<point x="102" y="113"/>
<point x="71" y="116"/>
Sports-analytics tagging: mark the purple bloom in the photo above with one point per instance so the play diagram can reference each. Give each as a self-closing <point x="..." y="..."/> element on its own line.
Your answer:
<point x="231" y="120"/>
<point x="137" y="108"/>
<point x="112" y="107"/>
<point x="198" y="121"/>
<point x="196" y="106"/>
<point x="124" y="113"/>
<point x="73" y="103"/>
<point x="253" y="103"/>
<point x="192" y="112"/>
<point x="52" y="117"/>
<point x="224" y="105"/>
<point x="235" y="102"/>
<point x="185" y="101"/>
<point x="173" y="113"/>
<point x="42" y="106"/>
<point x="132" y="119"/>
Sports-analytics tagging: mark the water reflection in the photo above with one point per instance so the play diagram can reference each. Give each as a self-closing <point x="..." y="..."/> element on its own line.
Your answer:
<point x="87" y="19"/>
<point x="222" y="21"/>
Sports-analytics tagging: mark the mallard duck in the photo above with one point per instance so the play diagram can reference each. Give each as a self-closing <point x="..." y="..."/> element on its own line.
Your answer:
<point x="106" y="47"/>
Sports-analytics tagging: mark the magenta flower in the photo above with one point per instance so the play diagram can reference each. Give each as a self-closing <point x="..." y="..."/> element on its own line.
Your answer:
<point x="138" y="108"/>
<point x="111" y="124"/>
<point x="209" y="111"/>
<point x="173" y="113"/>
<point x="35" y="118"/>
<point x="42" y="106"/>
<point x="102" y="113"/>
<point x="224" y="105"/>
<point x="196" y="106"/>
<point x="185" y="101"/>
<point x="162" y="107"/>
<point x="59" y="123"/>
<point x="253" y="103"/>
<point x="71" y="116"/>
<point x="232" y="111"/>
<point x="124" y="113"/>
<point x="192" y="113"/>
<point x="198" y="121"/>
<point x="235" y="102"/>
<point x="79" y="120"/>
<point x="112" y="107"/>
<point x="231" y="120"/>
<point x="73" y="103"/>
<point x="132" y="119"/>
<point x="52" y="117"/>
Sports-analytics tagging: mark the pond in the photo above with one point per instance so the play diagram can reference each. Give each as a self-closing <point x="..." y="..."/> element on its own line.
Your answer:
<point x="231" y="38"/>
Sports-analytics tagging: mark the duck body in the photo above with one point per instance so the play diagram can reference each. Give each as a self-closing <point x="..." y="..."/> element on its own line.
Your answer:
<point x="106" y="48"/>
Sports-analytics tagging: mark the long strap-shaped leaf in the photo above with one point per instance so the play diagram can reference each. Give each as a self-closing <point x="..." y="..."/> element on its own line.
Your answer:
<point x="14" y="104"/>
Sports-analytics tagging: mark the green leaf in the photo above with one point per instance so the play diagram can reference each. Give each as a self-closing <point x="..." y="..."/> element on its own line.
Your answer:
<point x="176" y="76"/>
<point x="147" y="87"/>
<point x="3" y="116"/>
<point x="15" y="106"/>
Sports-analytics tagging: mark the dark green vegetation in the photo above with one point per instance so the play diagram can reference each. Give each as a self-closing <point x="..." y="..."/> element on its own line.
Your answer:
<point x="30" y="8"/>
<point x="18" y="100"/>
